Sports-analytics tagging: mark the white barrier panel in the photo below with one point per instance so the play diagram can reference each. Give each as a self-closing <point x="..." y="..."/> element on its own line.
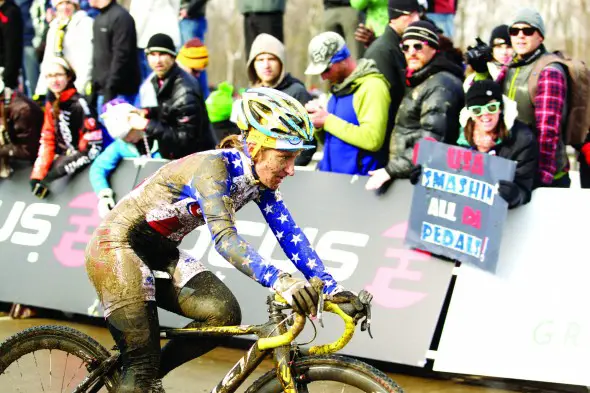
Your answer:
<point x="531" y="320"/>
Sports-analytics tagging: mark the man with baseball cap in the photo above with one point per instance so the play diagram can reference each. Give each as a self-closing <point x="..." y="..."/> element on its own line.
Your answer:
<point x="354" y="122"/>
<point x="178" y="119"/>
<point x="546" y="111"/>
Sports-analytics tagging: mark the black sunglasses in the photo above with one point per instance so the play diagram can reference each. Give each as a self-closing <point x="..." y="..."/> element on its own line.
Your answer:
<point x="417" y="47"/>
<point x="527" y="31"/>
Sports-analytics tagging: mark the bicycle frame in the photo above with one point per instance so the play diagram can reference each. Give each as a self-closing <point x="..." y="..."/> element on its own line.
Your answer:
<point x="271" y="337"/>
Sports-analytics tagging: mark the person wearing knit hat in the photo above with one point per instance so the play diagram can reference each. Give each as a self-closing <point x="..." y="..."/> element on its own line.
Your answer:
<point x="502" y="51"/>
<point x="419" y="44"/>
<point x="543" y="112"/>
<point x="489" y="125"/>
<point x="431" y="104"/>
<point x="193" y="57"/>
<point x="267" y="67"/>
<point x="184" y="127"/>
<point x="75" y="3"/>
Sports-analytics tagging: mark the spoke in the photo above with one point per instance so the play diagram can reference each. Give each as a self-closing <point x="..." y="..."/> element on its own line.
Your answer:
<point x="37" y="368"/>
<point x="50" y="369"/>
<point x="76" y="373"/>
<point x="63" y="378"/>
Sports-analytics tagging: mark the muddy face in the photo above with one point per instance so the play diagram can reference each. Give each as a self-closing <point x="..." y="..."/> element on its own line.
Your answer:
<point x="272" y="166"/>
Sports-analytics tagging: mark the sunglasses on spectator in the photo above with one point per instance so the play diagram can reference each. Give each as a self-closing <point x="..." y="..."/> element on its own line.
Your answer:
<point x="417" y="47"/>
<point x="527" y="31"/>
<point x="491" y="108"/>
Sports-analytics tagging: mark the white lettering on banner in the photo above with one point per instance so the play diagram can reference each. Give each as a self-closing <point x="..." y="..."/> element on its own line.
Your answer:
<point x="11" y="220"/>
<point x="443" y="209"/>
<point x="348" y="260"/>
<point x="30" y="220"/>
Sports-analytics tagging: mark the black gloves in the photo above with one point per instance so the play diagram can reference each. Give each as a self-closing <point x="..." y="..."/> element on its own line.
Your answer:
<point x="39" y="189"/>
<point x="509" y="192"/>
<point x="415" y="174"/>
<point x="478" y="56"/>
<point x="298" y="293"/>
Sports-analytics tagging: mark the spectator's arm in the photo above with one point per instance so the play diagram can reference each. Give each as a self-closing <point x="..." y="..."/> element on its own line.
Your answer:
<point x="526" y="169"/>
<point x="104" y="165"/>
<point x="124" y="51"/>
<point x="13" y="47"/>
<point x="371" y="104"/>
<point x="85" y="53"/>
<point x="549" y="102"/>
<point x="184" y="130"/>
<point x="46" y="148"/>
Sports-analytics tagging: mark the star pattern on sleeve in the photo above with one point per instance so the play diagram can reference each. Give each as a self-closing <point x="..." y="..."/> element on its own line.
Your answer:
<point x="292" y="239"/>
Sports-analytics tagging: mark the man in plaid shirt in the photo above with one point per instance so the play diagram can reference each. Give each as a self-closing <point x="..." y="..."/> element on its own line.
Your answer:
<point x="545" y="112"/>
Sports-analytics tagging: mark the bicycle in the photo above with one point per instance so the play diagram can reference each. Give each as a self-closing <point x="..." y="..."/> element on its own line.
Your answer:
<point x="293" y="373"/>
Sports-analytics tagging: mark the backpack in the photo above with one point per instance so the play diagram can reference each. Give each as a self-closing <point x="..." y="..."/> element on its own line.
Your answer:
<point x="578" y="95"/>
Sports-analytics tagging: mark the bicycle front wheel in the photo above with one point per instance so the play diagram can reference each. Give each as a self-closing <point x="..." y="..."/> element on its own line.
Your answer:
<point x="51" y="359"/>
<point x="329" y="374"/>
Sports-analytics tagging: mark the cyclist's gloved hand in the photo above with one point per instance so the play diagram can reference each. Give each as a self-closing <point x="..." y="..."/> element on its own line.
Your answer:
<point x="298" y="293"/>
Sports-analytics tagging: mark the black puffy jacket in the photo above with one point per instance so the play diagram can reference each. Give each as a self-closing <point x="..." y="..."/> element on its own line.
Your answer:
<point x="521" y="146"/>
<point x="180" y="122"/>
<point x="431" y="105"/>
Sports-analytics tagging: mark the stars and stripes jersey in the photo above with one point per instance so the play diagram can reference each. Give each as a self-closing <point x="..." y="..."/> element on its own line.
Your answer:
<point x="209" y="188"/>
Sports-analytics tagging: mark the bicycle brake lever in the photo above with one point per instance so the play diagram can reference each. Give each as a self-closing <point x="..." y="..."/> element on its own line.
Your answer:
<point x="365" y="298"/>
<point x="318" y="285"/>
<point x="320" y="310"/>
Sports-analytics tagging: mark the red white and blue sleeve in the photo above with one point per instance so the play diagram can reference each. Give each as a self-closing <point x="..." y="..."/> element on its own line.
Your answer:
<point x="292" y="239"/>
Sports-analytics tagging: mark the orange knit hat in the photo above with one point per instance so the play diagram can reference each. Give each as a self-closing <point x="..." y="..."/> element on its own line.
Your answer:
<point x="193" y="55"/>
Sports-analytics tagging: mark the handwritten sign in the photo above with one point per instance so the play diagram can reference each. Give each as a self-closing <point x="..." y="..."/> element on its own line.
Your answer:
<point x="456" y="209"/>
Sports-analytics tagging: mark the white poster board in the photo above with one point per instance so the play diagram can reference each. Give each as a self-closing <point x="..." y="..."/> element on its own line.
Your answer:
<point x="531" y="320"/>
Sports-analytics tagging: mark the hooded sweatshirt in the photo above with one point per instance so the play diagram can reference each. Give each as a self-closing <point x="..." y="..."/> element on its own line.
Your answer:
<point x="355" y="129"/>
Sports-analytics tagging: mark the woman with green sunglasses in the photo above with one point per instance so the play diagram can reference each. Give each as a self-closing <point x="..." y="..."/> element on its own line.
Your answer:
<point x="489" y="126"/>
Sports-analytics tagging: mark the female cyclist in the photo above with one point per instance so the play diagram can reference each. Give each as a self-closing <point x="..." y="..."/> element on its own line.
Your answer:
<point x="144" y="230"/>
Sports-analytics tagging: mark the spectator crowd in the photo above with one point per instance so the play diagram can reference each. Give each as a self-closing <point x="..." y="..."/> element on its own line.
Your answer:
<point x="88" y="83"/>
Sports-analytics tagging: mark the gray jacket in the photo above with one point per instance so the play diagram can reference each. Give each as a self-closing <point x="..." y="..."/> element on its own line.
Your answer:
<point x="430" y="107"/>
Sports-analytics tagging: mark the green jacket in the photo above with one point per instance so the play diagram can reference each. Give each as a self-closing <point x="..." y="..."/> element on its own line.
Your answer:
<point x="370" y="102"/>
<point x="377" y="14"/>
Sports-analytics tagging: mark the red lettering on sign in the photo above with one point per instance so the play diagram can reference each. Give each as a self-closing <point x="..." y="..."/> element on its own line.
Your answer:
<point x="466" y="160"/>
<point x="472" y="217"/>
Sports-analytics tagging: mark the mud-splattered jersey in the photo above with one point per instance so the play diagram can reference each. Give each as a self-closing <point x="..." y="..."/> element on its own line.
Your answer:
<point x="209" y="188"/>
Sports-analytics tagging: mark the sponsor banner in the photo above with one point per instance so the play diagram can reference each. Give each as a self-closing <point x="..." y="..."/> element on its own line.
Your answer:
<point x="358" y="235"/>
<point x="456" y="210"/>
<point x="530" y="319"/>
